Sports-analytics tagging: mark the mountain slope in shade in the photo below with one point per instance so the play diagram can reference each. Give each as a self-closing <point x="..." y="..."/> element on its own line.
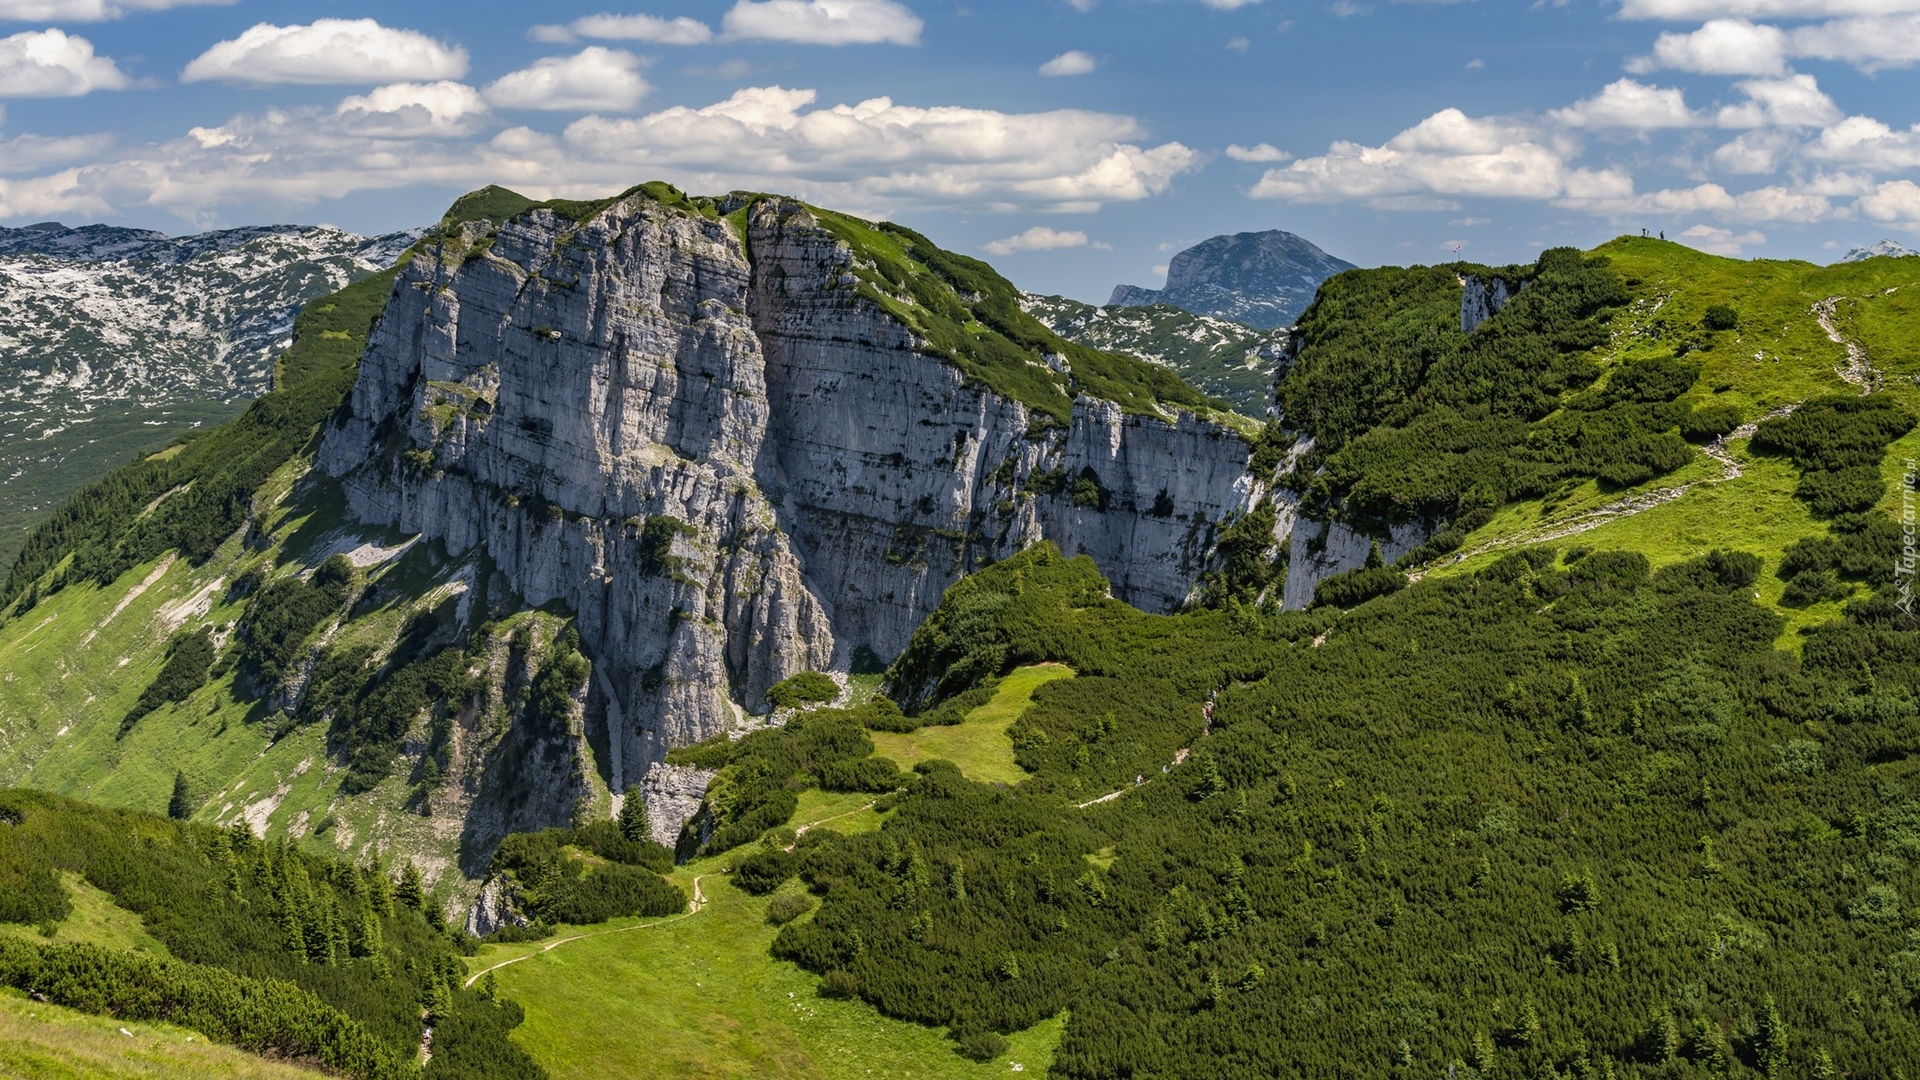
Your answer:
<point x="112" y="340"/>
<point x="1263" y="279"/>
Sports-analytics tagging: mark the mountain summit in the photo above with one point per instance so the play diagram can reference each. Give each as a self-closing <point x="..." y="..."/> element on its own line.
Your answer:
<point x="1263" y="279"/>
<point x="1879" y="247"/>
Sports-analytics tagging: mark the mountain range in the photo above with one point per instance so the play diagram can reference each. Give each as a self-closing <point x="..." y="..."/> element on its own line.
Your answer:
<point x="1878" y="248"/>
<point x="771" y="634"/>
<point x="117" y="340"/>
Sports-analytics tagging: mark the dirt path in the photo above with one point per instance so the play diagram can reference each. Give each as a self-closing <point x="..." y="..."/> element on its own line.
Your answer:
<point x="693" y="908"/>
<point x="1858" y="370"/>
<point x="1633" y="504"/>
<point x="802" y="830"/>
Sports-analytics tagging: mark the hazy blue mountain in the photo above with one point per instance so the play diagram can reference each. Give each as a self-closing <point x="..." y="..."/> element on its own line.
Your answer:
<point x="1263" y="279"/>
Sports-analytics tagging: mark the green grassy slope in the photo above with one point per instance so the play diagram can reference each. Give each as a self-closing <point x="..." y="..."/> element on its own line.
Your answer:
<point x="1777" y="357"/>
<point x="978" y="745"/>
<point x="699" y="995"/>
<point x="47" y="1042"/>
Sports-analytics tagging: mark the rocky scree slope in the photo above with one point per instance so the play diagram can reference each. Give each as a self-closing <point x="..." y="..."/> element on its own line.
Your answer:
<point x="1229" y="360"/>
<point x="743" y="438"/>
<point x="1263" y="279"/>
<point x="112" y="339"/>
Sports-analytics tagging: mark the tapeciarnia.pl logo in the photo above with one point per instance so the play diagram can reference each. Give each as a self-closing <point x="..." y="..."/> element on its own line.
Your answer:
<point x="1903" y="565"/>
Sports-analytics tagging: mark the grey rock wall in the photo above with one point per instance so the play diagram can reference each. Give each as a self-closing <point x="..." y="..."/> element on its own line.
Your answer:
<point x="731" y="468"/>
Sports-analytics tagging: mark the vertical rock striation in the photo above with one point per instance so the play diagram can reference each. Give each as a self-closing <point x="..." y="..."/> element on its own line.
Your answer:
<point x="697" y="434"/>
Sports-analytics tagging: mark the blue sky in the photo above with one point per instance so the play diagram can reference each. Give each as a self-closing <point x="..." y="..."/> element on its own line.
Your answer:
<point x="1075" y="143"/>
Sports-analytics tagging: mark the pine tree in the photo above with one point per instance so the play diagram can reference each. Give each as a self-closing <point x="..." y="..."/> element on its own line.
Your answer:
<point x="1216" y="990"/>
<point x="180" y="807"/>
<point x="1526" y="1030"/>
<point x="1823" y="1068"/>
<point x="1483" y="1051"/>
<point x="633" y="818"/>
<point x="370" y="941"/>
<point x="1770" y="1042"/>
<point x="1375" y="560"/>
<point x="410" y="892"/>
<point x="957" y="882"/>
<point x="1580" y="706"/>
<point x="1662" y="1040"/>
<point x="379" y="889"/>
<point x="490" y="987"/>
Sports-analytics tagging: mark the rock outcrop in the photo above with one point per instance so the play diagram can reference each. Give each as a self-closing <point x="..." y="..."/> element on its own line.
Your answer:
<point x="1481" y="299"/>
<point x="730" y="466"/>
<point x="673" y="794"/>
<point x="1262" y="279"/>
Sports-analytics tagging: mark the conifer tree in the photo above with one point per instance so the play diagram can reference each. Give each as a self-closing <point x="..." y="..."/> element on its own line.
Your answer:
<point x="379" y="889"/>
<point x="180" y="806"/>
<point x="410" y="892"/>
<point x="633" y="818"/>
<point x="1770" y="1042"/>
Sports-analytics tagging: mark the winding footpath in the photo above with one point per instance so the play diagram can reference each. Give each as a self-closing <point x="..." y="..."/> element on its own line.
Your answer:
<point x="1858" y="370"/>
<point x="693" y="908"/>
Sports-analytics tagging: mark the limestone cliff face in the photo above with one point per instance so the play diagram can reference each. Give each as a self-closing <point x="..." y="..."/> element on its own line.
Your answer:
<point x="729" y="463"/>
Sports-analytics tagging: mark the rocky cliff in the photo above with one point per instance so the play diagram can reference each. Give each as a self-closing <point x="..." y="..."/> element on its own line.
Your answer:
<point x="1262" y="279"/>
<point x="706" y="432"/>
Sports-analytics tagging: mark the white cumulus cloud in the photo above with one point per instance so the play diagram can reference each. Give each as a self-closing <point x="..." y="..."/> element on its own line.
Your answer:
<point x="1863" y="142"/>
<point x="438" y="108"/>
<point x="873" y="157"/>
<point x="1625" y="103"/>
<point x="1896" y="201"/>
<point x="86" y="10"/>
<point x="1719" y="241"/>
<point x="1257" y="152"/>
<point x="53" y="63"/>
<point x="1868" y="43"/>
<point x="1696" y="10"/>
<point x="327" y="51"/>
<point x="676" y="31"/>
<point x="1067" y="159"/>
<point x="1772" y="203"/>
<point x="1721" y="47"/>
<point x="823" y="22"/>
<point x="595" y="78"/>
<point x="1042" y="238"/>
<point x="1447" y="155"/>
<point x="1071" y="62"/>
<point x="1795" y="101"/>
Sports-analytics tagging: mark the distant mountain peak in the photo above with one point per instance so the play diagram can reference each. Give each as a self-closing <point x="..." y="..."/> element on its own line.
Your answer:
<point x="1892" y="248"/>
<point x="1262" y="279"/>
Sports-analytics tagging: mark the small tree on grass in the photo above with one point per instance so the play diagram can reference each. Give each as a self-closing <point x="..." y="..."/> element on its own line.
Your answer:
<point x="180" y="807"/>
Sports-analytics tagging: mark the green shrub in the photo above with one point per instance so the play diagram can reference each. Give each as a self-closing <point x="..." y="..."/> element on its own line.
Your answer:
<point x="805" y="688"/>
<point x="189" y="656"/>
<point x="1709" y="422"/>
<point x="764" y="871"/>
<point x="980" y="1045"/>
<point x="1357" y="586"/>
<point x="1720" y="317"/>
<point x="787" y="907"/>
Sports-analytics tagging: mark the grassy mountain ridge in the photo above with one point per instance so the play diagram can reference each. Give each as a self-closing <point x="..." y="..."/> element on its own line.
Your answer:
<point x="1571" y="793"/>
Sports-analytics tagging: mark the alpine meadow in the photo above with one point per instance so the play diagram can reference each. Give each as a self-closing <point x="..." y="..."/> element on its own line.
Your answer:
<point x="717" y="635"/>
